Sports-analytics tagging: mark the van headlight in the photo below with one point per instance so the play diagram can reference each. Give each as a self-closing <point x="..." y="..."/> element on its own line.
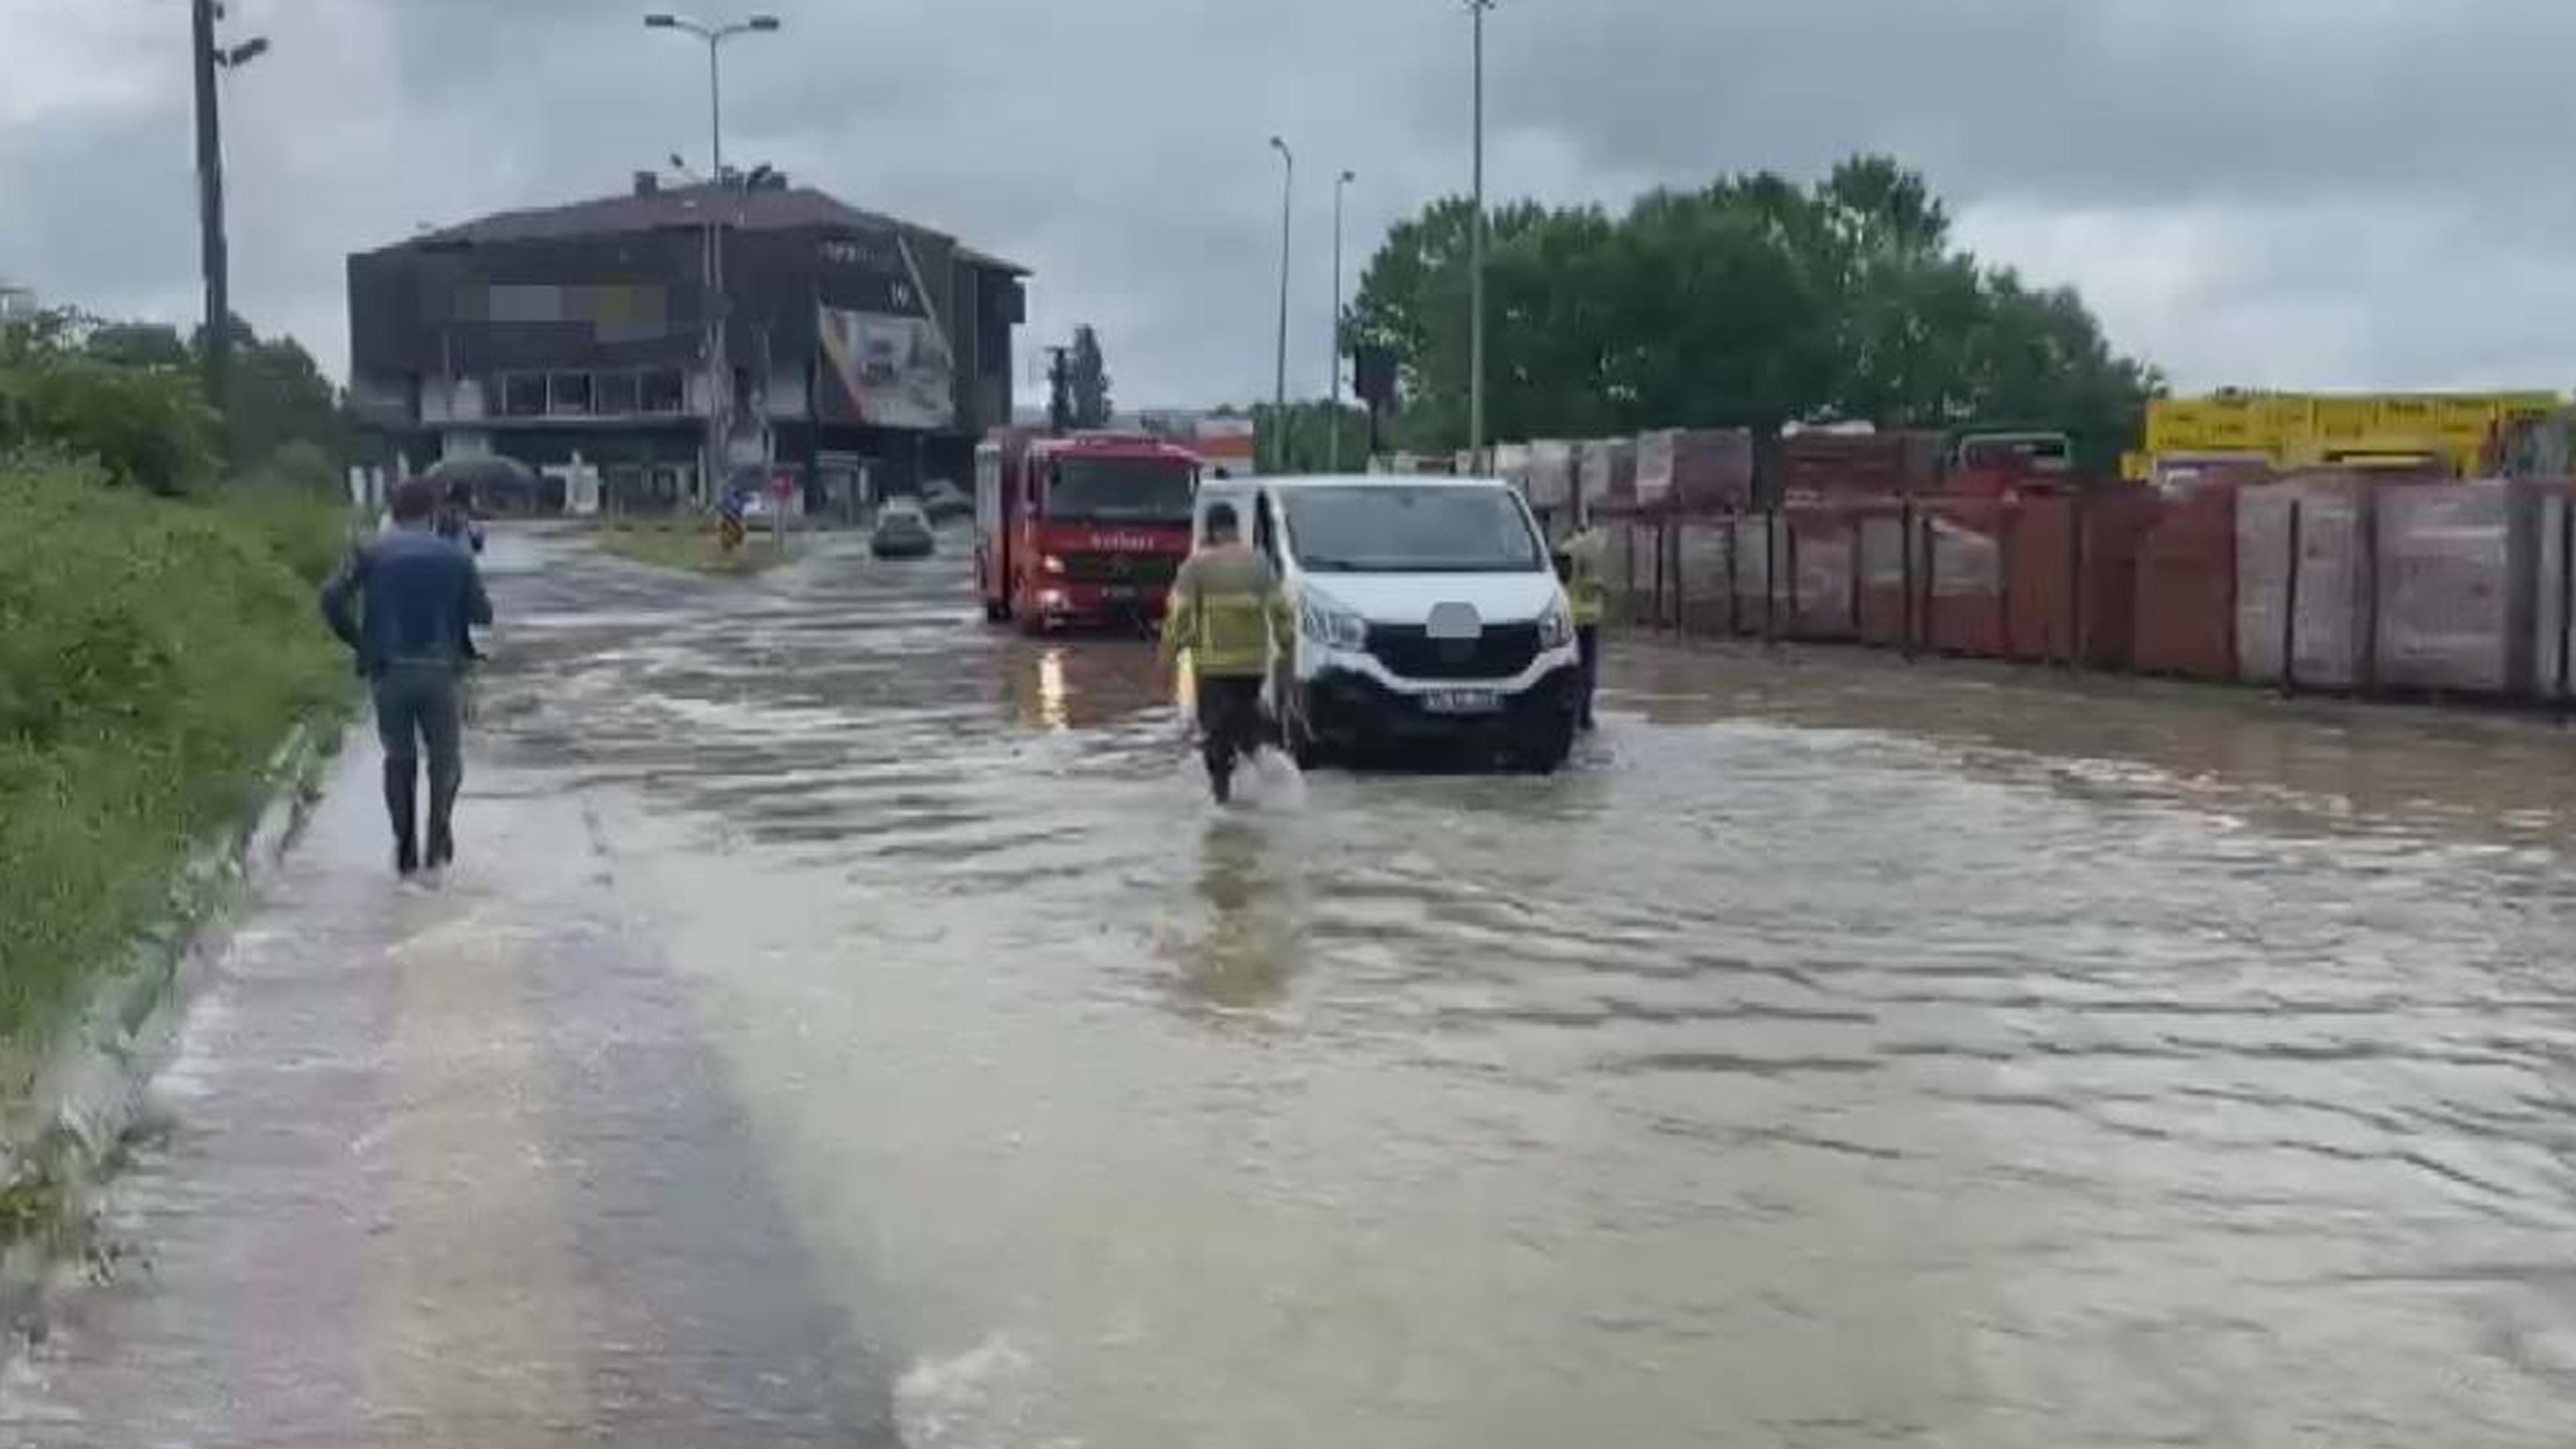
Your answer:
<point x="1555" y="627"/>
<point x="1329" y="624"/>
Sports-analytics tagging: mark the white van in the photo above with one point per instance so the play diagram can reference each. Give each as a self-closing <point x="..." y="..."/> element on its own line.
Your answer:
<point x="1428" y="614"/>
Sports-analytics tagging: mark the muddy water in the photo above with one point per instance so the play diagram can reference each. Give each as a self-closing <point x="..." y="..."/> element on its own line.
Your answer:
<point x="849" y="1015"/>
<point x="1839" y="1055"/>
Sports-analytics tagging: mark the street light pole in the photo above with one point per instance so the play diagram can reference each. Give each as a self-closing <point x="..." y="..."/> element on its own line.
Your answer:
<point x="1334" y="413"/>
<point x="715" y="36"/>
<point x="1287" y="195"/>
<point x="719" y="371"/>
<point x="715" y="106"/>
<point x="1476" y="261"/>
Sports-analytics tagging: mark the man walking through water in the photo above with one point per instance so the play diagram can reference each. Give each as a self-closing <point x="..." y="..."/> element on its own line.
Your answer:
<point x="1227" y="610"/>
<point x="418" y="594"/>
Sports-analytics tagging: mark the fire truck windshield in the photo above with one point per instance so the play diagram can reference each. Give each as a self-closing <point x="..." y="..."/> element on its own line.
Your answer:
<point x="1121" y="490"/>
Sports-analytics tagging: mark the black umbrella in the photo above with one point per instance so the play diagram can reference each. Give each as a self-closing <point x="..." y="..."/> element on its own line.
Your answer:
<point x="491" y="477"/>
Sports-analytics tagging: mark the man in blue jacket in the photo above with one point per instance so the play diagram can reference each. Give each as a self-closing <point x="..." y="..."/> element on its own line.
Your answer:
<point x="415" y="594"/>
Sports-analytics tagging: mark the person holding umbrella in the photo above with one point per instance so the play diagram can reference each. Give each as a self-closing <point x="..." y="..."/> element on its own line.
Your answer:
<point x="456" y="520"/>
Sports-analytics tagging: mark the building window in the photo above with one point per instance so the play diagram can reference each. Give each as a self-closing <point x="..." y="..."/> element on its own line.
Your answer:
<point x="665" y="391"/>
<point x="523" y="395"/>
<point x="568" y="394"/>
<point x="618" y="394"/>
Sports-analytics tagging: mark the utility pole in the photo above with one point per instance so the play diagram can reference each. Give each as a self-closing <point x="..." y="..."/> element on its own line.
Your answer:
<point x="1333" y="414"/>
<point x="1476" y="261"/>
<point x="214" y="256"/>
<point x="210" y="209"/>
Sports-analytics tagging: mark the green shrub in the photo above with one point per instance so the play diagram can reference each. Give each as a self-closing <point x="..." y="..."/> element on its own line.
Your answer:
<point x="148" y="427"/>
<point x="153" y="653"/>
<point x="303" y="468"/>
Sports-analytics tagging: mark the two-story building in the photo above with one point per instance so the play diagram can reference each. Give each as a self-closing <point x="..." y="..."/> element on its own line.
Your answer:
<point x="743" y="331"/>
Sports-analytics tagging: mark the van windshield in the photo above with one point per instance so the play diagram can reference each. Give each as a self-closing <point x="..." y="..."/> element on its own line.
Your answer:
<point x="1410" y="528"/>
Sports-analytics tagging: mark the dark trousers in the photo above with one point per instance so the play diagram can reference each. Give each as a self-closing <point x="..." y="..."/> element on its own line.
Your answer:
<point x="1587" y="640"/>
<point x="420" y="713"/>
<point x="1230" y="724"/>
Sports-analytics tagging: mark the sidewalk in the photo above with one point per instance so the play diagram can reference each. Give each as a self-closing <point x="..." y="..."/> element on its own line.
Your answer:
<point x="447" y="1166"/>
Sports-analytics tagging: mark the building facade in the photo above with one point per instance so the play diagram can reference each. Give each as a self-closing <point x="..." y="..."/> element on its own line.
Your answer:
<point x="677" y="340"/>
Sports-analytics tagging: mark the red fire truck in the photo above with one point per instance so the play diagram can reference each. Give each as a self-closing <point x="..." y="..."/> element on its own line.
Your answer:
<point x="1084" y="529"/>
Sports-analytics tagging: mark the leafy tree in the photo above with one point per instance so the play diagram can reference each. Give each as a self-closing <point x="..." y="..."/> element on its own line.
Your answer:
<point x="145" y="426"/>
<point x="1090" y="380"/>
<point x="278" y="396"/>
<point x="1060" y="409"/>
<point x="1751" y="302"/>
<point x="140" y="344"/>
<point x="128" y="396"/>
<point x="1301" y="440"/>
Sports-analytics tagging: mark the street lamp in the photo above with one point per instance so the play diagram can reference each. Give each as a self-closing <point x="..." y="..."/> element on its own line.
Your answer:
<point x="719" y="372"/>
<point x="715" y="36"/>
<point x="1476" y="261"/>
<point x="1333" y="454"/>
<point x="1287" y="193"/>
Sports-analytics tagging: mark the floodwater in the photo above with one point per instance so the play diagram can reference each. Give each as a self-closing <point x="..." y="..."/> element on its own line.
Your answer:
<point x="852" y="1025"/>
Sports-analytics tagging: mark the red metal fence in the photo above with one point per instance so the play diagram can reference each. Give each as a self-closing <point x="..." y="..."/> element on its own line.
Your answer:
<point x="2343" y="581"/>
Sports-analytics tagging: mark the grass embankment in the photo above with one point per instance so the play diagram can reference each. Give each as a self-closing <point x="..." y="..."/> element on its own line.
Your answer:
<point x="154" y="653"/>
<point x="688" y="543"/>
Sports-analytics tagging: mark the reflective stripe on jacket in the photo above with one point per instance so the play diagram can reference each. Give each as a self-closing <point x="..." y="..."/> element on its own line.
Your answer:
<point x="1585" y="555"/>
<point x="1227" y="609"/>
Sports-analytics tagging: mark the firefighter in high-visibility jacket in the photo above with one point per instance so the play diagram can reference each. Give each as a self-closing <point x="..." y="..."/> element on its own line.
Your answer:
<point x="1228" y="610"/>
<point x="1580" y="561"/>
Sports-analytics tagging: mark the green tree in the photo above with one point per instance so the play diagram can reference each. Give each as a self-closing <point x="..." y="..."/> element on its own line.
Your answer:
<point x="278" y="396"/>
<point x="1751" y="302"/>
<point x="1301" y="440"/>
<point x="1090" y="380"/>
<point x="1060" y="409"/>
<point x="139" y="344"/>
<point x="146" y="427"/>
<point x="127" y="395"/>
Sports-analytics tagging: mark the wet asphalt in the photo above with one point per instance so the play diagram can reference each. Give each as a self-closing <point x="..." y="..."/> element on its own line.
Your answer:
<point x="851" y="1025"/>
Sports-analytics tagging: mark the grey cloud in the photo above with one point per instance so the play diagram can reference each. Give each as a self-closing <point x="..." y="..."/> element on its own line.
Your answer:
<point x="2358" y="181"/>
<point x="2074" y="101"/>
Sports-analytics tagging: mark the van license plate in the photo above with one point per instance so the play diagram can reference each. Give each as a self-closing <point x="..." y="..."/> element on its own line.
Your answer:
<point x="1462" y="701"/>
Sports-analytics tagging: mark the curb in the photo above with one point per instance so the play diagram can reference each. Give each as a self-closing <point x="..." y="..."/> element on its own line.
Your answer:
<point x="84" y="1099"/>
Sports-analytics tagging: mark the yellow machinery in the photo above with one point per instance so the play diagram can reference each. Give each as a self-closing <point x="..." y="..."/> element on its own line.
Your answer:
<point x="2303" y="430"/>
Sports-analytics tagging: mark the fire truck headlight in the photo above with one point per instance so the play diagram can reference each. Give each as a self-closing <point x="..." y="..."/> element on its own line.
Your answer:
<point x="1051" y="563"/>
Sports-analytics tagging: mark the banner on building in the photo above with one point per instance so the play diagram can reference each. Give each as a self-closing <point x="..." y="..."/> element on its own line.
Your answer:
<point x="886" y="358"/>
<point x="888" y="372"/>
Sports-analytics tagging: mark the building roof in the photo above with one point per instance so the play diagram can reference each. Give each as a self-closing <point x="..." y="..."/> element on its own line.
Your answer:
<point x="766" y="208"/>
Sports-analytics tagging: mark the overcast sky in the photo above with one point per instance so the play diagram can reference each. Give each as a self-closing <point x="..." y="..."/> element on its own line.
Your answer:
<point x="2311" y="193"/>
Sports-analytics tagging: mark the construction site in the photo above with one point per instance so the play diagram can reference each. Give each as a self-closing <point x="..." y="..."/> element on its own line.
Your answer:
<point x="2401" y="545"/>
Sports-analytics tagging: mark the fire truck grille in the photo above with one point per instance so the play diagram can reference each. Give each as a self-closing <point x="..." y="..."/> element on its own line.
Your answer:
<point x="1138" y="570"/>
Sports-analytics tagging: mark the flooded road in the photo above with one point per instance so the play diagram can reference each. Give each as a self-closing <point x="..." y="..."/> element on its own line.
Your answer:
<point x="851" y="1025"/>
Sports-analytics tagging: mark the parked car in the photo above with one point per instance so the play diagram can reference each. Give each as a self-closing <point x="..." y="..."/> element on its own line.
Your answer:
<point x="902" y="531"/>
<point x="1429" y="618"/>
<point x="944" y="502"/>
